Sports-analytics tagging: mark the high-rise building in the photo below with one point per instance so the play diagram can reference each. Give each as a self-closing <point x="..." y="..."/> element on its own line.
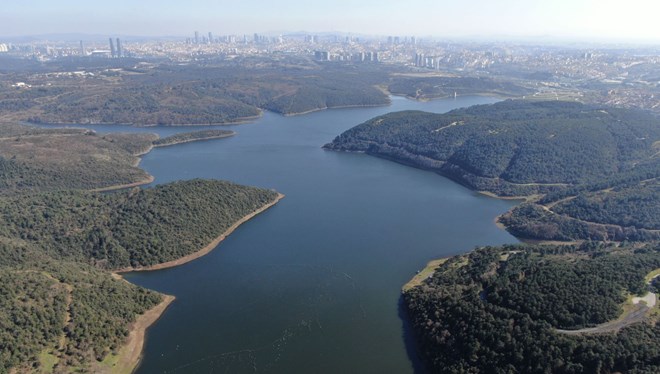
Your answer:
<point x="210" y="37"/>
<point x="120" y="51"/>
<point x="82" y="48"/>
<point x="196" y="37"/>
<point x="322" y="55"/>
<point x="112" y="49"/>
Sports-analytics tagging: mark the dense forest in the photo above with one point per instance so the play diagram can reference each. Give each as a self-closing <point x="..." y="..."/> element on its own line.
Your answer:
<point x="496" y="310"/>
<point x="425" y="88"/>
<point x="58" y="304"/>
<point x="59" y="314"/>
<point x="135" y="228"/>
<point x="592" y="170"/>
<point x="61" y="309"/>
<point x="167" y="94"/>
<point x="512" y="147"/>
<point x="148" y="93"/>
<point x="41" y="159"/>
<point x="625" y="207"/>
<point x="637" y="206"/>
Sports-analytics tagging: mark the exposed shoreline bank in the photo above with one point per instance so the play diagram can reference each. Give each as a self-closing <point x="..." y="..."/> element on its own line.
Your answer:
<point x="293" y="114"/>
<point x="190" y="141"/>
<point x="131" y="353"/>
<point x="424" y="274"/>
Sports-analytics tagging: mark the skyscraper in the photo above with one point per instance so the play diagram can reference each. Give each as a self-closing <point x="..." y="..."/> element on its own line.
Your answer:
<point x="120" y="52"/>
<point x="112" y="49"/>
<point x="82" y="48"/>
<point x="196" y="37"/>
<point x="210" y="37"/>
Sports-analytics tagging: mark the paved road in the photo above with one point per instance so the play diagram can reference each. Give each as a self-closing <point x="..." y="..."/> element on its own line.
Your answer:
<point x="635" y="315"/>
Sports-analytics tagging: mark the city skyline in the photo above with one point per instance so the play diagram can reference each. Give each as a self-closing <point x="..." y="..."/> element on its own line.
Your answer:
<point x="604" y="20"/>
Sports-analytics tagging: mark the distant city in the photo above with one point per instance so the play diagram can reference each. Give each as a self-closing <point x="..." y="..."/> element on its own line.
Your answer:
<point x="621" y="76"/>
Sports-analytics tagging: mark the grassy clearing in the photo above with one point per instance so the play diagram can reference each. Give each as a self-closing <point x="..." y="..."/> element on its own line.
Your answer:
<point x="109" y="365"/>
<point x="47" y="361"/>
<point x="424" y="274"/>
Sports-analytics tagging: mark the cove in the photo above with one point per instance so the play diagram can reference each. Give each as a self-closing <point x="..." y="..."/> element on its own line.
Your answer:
<point x="311" y="285"/>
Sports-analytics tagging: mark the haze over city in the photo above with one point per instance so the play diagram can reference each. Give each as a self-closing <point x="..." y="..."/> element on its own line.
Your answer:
<point x="602" y="20"/>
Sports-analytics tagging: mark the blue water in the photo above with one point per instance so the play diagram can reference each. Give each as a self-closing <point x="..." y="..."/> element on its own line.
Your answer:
<point x="311" y="285"/>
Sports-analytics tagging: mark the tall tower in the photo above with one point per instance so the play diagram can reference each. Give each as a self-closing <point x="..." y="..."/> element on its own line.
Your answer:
<point x="210" y="38"/>
<point x="112" y="49"/>
<point x="120" y="52"/>
<point x="196" y="37"/>
<point x="82" y="48"/>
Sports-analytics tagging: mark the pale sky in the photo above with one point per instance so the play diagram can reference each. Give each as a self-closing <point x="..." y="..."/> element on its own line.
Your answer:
<point x="602" y="20"/>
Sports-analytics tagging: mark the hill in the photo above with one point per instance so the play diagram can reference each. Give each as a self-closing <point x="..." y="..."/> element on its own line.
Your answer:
<point x="512" y="147"/>
<point x="587" y="173"/>
<point x="62" y="309"/>
<point x="40" y="159"/>
<point x="506" y="309"/>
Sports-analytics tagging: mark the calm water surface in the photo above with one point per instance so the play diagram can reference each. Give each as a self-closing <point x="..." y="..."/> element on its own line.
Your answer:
<point x="311" y="285"/>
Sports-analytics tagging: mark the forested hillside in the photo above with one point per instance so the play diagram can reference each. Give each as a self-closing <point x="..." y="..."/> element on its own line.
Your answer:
<point x="437" y="87"/>
<point x="61" y="314"/>
<point x="177" y="94"/>
<point x="497" y="310"/>
<point x="135" y="228"/>
<point x="58" y="305"/>
<point x="61" y="309"/>
<point x="589" y="173"/>
<point x="625" y="207"/>
<point x="40" y="159"/>
<point x="512" y="147"/>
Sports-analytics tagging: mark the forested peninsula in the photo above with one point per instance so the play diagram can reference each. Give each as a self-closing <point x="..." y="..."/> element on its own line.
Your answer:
<point x="63" y="309"/>
<point x="587" y="172"/>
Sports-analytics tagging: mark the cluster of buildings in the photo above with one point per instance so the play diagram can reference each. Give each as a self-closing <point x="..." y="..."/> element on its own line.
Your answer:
<point x="116" y="50"/>
<point x="326" y="47"/>
<point x="484" y="58"/>
<point x="371" y="56"/>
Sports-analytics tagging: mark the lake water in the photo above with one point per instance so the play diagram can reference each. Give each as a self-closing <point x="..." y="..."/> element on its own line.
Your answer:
<point x="313" y="284"/>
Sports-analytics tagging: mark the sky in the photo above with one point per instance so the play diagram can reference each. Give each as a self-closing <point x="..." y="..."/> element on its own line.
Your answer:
<point x="599" y="20"/>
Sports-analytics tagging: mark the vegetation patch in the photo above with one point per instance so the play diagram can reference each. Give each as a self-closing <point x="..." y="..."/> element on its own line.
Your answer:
<point x="474" y="319"/>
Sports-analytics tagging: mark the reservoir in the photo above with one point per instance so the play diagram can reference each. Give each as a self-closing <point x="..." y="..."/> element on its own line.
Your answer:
<point x="312" y="285"/>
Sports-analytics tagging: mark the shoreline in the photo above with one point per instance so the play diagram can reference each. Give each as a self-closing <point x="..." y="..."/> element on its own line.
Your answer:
<point x="130" y="354"/>
<point x="238" y="121"/>
<point x="208" y="248"/>
<point x="189" y="141"/>
<point x="293" y="114"/>
<point x="424" y="274"/>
